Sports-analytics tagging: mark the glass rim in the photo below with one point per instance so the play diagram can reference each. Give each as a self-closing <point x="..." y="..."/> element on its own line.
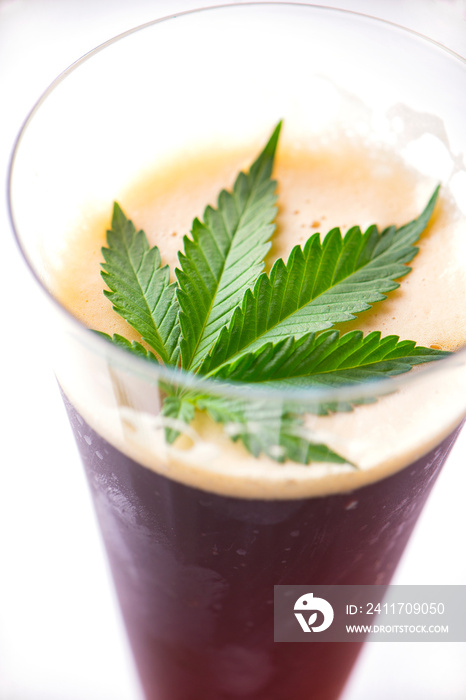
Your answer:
<point x="176" y="375"/>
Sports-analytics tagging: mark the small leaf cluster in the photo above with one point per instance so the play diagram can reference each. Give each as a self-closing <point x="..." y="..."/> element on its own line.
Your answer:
<point x="226" y="318"/>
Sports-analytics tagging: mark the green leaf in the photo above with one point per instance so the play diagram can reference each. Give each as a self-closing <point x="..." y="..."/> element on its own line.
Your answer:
<point x="264" y="427"/>
<point x="225" y="256"/>
<point x="134" y="347"/>
<point x="322" y="284"/>
<point x="327" y="360"/>
<point x="226" y="320"/>
<point x="180" y="413"/>
<point x="140" y="288"/>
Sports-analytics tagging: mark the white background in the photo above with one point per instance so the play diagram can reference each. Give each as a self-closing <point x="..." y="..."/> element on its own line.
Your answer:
<point x="60" y="632"/>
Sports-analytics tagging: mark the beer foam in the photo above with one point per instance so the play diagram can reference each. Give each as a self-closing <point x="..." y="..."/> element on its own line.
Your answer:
<point x="341" y="183"/>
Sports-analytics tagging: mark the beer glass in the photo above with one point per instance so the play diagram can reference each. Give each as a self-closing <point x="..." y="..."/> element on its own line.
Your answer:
<point x="199" y="531"/>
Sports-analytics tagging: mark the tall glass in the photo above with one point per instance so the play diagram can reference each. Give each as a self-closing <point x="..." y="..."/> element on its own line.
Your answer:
<point x="198" y="532"/>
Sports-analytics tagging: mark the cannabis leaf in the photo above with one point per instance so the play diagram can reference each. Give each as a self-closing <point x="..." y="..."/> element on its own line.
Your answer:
<point x="327" y="360"/>
<point x="265" y="428"/>
<point x="225" y="319"/>
<point x="134" y="347"/>
<point x="140" y="288"/>
<point x="325" y="283"/>
<point x="180" y="412"/>
<point x="225" y="256"/>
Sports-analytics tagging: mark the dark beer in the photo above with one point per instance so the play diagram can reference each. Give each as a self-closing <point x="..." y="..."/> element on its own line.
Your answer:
<point x="195" y="571"/>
